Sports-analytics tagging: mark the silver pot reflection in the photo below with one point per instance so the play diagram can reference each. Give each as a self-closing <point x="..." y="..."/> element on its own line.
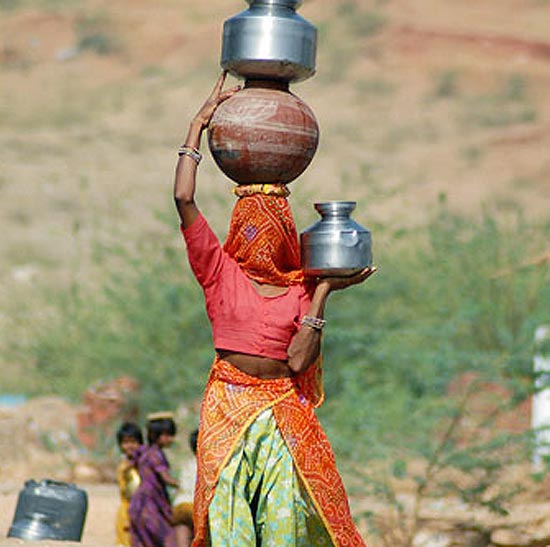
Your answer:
<point x="336" y="245"/>
<point x="269" y="41"/>
<point x="32" y="527"/>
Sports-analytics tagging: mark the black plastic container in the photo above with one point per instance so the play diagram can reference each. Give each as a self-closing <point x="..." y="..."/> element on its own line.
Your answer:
<point x="49" y="510"/>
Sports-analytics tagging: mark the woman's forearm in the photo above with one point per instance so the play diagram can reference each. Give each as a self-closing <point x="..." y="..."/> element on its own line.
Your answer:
<point x="184" y="183"/>
<point x="306" y="344"/>
<point x="305" y="347"/>
<point x="185" y="178"/>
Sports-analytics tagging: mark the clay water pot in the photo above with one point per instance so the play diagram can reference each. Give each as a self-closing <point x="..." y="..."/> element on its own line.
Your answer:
<point x="263" y="134"/>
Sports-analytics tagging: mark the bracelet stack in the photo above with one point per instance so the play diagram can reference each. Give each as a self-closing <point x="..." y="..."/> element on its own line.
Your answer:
<point x="190" y="151"/>
<point x="315" y="323"/>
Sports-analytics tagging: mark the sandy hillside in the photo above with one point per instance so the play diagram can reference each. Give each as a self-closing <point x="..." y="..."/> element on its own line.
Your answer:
<point x="414" y="100"/>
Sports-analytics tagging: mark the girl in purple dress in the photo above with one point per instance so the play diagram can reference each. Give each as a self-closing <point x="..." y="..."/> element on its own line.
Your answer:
<point x="150" y="509"/>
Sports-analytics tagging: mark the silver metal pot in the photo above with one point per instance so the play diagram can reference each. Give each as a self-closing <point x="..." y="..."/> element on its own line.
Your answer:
<point x="269" y="41"/>
<point x="336" y="245"/>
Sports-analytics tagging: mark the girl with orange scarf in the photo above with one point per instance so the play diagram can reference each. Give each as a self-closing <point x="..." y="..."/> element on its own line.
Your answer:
<point x="266" y="471"/>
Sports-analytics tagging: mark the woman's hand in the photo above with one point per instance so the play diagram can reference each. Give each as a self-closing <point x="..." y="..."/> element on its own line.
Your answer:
<point x="185" y="179"/>
<point x="338" y="283"/>
<point x="204" y="115"/>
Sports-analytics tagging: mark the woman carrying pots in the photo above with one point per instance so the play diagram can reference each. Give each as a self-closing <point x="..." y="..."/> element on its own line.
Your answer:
<point x="266" y="471"/>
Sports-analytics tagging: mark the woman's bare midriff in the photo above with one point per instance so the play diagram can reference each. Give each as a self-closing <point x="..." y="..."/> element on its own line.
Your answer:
<point x="253" y="365"/>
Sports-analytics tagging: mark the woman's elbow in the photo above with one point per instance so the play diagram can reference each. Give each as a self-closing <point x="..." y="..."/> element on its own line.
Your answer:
<point x="182" y="199"/>
<point x="299" y="362"/>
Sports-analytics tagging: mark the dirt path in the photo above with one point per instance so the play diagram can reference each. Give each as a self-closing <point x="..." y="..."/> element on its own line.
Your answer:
<point x="445" y="521"/>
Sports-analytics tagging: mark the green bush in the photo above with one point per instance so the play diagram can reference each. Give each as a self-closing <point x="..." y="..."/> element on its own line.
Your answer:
<point x="445" y="300"/>
<point x="460" y="297"/>
<point x="7" y="5"/>
<point x="145" y="322"/>
<point x="449" y="303"/>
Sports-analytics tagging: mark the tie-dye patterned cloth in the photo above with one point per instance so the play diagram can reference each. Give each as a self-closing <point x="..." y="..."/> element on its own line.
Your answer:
<point x="262" y="239"/>
<point x="232" y="405"/>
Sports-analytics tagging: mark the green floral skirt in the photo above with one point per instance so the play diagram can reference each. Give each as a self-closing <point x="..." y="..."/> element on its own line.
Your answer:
<point x="259" y="499"/>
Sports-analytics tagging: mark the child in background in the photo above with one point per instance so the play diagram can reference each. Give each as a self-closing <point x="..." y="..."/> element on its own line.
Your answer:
<point x="150" y="509"/>
<point x="129" y="438"/>
<point x="183" y="504"/>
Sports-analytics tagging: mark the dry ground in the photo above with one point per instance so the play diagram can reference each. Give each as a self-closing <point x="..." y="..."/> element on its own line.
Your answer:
<point x="528" y="520"/>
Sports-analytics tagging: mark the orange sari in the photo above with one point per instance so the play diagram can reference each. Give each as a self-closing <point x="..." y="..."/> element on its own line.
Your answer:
<point x="232" y="402"/>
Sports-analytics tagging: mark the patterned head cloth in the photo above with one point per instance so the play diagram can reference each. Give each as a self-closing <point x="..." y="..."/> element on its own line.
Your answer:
<point x="262" y="239"/>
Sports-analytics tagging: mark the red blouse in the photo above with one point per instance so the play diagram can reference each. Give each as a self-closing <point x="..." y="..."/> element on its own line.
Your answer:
<point x="242" y="320"/>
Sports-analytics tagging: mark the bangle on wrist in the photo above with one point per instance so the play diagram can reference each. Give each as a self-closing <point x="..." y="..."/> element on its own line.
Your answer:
<point x="190" y="151"/>
<point x="315" y="323"/>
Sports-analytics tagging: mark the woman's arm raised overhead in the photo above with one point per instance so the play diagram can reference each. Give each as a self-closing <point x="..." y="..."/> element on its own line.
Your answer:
<point x="189" y="155"/>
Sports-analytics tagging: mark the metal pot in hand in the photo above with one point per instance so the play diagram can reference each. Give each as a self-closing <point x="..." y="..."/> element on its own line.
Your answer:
<point x="336" y="245"/>
<point x="269" y="41"/>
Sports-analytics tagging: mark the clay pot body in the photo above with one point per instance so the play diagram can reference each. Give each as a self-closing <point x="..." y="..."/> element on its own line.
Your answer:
<point x="263" y="134"/>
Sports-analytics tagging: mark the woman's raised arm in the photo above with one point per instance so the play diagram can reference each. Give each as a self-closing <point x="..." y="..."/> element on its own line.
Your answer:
<point x="189" y="155"/>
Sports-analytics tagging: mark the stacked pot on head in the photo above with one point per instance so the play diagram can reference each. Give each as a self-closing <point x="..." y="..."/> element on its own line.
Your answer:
<point x="265" y="134"/>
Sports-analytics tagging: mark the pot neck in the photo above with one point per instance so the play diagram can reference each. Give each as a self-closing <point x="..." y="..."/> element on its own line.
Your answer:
<point x="335" y="209"/>
<point x="266" y="84"/>
<point x="292" y="4"/>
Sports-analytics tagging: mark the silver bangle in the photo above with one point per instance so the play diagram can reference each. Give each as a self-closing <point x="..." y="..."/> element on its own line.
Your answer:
<point x="190" y="151"/>
<point x="315" y="323"/>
